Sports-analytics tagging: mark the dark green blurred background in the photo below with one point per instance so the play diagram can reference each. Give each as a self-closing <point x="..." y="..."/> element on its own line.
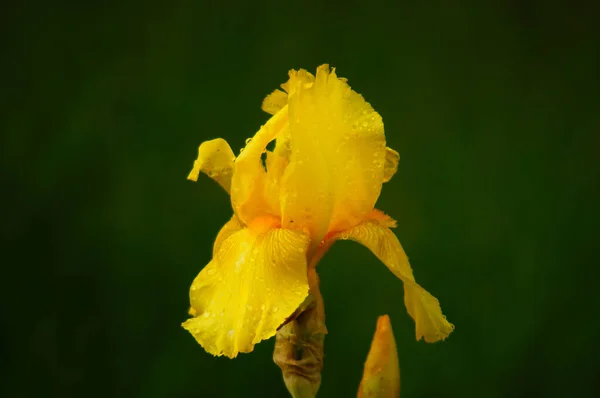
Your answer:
<point x="495" y="112"/>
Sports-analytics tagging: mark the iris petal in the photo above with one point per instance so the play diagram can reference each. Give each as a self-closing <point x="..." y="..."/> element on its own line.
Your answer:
<point x="248" y="196"/>
<point x="215" y="159"/>
<point x="274" y="102"/>
<point x="336" y="165"/>
<point x="255" y="281"/>
<point x="424" y="308"/>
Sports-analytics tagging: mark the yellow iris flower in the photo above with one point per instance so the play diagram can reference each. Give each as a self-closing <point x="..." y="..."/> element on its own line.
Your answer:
<point x="319" y="184"/>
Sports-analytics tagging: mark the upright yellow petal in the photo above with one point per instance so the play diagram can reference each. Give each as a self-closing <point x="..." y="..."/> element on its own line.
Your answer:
<point x="249" y="177"/>
<point x="425" y="309"/>
<point x="256" y="279"/>
<point x="381" y="377"/>
<point x="278" y="160"/>
<point x="274" y="102"/>
<point x="335" y="170"/>
<point x="215" y="159"/>
<point x="299" y="79"/>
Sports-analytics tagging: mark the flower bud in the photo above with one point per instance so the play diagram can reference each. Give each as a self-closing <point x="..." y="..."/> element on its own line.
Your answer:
<point x="381" y="377"/>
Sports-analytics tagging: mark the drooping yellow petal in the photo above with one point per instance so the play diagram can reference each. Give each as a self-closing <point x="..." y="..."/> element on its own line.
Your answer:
<point x="248" y="183"/>
<point x="381" y="377"/>
<point x="274" y="102"/>
<point x="336" y="165"/>
<point x="256" y="279"/>
<point x="391" y="164"/>
<point x="215" y="159"/>
<point x="375" y="234"/>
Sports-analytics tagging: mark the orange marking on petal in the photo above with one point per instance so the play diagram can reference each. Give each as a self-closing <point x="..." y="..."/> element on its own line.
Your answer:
<point x="263" y="223"/>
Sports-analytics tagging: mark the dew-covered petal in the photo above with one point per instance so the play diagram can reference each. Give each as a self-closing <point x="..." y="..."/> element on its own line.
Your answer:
<point x="298" y="79"/>
<point x="336" y="165"/>
<point x="375" y="234"/>
<point x="249" y="177"/>
<point x="275" y="101"/>
<point x="255" y="281"/>
<point x="215" y="159"/>
<point x="276" y="163"/>
<point x="381" y="376"/>
<point x="230" y="227"/>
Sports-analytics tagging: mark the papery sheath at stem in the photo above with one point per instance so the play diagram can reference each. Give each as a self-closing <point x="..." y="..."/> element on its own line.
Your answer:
<point x="299" y="344"/>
